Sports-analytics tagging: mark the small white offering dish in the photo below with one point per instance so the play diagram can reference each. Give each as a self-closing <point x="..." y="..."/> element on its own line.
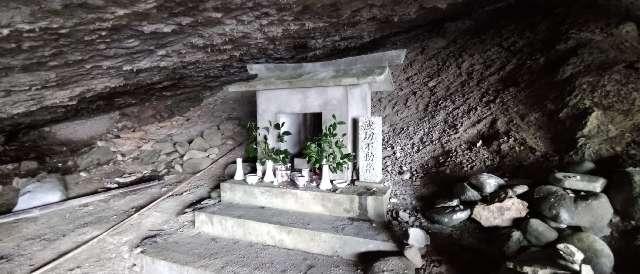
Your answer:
<point x="340" y="183"/>
<point x="251" y="179"/>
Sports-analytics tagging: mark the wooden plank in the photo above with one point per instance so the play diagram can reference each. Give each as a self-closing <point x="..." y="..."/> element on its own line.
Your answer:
<point x="32" y="212"/>
<point x="176" y="191"/>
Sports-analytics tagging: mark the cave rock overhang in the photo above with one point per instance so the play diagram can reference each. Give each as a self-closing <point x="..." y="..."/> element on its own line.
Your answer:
<point x="286" y="92"/>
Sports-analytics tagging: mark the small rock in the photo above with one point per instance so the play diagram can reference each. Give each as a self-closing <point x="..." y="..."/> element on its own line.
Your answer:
<point x="629" y="30"/>
<point x="172" y="155"/>
<point x="178" y="168"/>
<point x="229" y="127"/>
<point x="182" y="137"/>
<point x="586" y="269"/>
<point x="581" y="167"/>
<point x="406" y="175"/>
<point x="466" y="193"/>
<point x="624" y="192"/>
<point x="404" y="216"/>
<point x="418" y="238"/>
<point x="538" y="233"/>
<point x="165" y="147"/>
<point x="593" y="213"/>
<point x="500" y="214"/>
<point x="199" y="144"/>
<point x="194" y="154"/>
<point x="97" y="156"/>
<point x="447" y="202"/>
<point x="28" y="166"/>
<point x="213" y="151"/>
<point x="501" y="195"/>
<point x="181" y="147"/>
<point x="8" y="198"/>
<point x="519" y="189"/>
<point x="577" y="181"/>
<point x="536" y="261"/>
<point x="486" y="183"/>
<point x="212" y="136"/>
<point x="193" y="166"/>
<point x="596" y="252"/>
<point x="449" y="216"/>
<point x="569" y="256"/>
<point x="148" y="157"/>
<point x="555" y="204"/>
<point x="413" y="254"/>
<point x="392" y="265"/>
<point x="514" y="242"/>
<point x="554" y="224"/>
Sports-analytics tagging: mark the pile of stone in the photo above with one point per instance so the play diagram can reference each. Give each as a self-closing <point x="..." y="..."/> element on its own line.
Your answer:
<point x="485" y="197"/>
<point x="557" y="228"/>
<point x="188" y="156"/>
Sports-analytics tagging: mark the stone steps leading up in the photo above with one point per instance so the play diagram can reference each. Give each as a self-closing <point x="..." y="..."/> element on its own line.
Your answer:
<point x="314" y="233"/>
<point x="367" y="205"/>
<point x="193" y="252"/>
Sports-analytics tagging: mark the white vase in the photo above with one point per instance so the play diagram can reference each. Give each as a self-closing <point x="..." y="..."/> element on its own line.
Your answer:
<point x="268" y="172"/>
<point x="325" y="182"/>
<point x="239" y="176"/>
<point x="259" y="169"/>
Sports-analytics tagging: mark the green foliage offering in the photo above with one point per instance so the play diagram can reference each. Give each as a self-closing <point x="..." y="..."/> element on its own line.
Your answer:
<point x="328" y="148"/>
<point x="277" y="155"/>
<point x="251" y="150"/>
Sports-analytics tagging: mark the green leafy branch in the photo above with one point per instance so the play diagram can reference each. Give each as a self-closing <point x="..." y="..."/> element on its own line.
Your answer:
<point x="277" y="155"/>
<point x="328" y="148"/>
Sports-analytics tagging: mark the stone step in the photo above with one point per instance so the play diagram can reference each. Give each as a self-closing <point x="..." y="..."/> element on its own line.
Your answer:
<point x="359" y="203"/>
<point x="314" y="233"/>
<point x="194" y="252"/>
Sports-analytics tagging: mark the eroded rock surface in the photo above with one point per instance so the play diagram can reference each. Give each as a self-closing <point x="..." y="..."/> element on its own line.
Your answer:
<point x="64" y="57"/>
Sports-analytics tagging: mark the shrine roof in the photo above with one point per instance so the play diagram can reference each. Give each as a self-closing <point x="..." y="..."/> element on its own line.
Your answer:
<point x="372" y="69"/>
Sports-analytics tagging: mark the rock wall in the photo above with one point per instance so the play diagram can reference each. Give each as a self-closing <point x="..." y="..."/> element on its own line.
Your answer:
<point x="518" y="96"/>
<point x="66" y="58"/>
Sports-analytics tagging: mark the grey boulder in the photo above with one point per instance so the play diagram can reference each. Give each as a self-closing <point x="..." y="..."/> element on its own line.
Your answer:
<point x="192" y="166"/>
<point x="164" y="147"/>
<point x="212" y="136"/>
<point x="97" y="156"/>
<point x="575" y="181"/>
<point x="465" y="193"/>
<point x="555" y="204"/>
<point x="486" y="183"/>
<point x="596" y="252"/>
<point x="182" y="147"/>
<point x="535" y="261"/>
<point x="449" y="216"/>
<point x="199" y="144"/>
<point x="500" y="214"/>
<point x="593" y="213"/>
<point x="624" y="192"/>
<point x="569" y="256"/>
<point x="514" y="240"/>
<point x="538" y="233"/>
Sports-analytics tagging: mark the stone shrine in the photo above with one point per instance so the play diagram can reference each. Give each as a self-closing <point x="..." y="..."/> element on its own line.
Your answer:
<point x="305" y="97"/>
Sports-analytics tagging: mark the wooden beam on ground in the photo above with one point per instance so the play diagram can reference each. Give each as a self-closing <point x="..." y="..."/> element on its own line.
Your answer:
<point x="32" y="212"/>
<point x="183" y="186"/>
